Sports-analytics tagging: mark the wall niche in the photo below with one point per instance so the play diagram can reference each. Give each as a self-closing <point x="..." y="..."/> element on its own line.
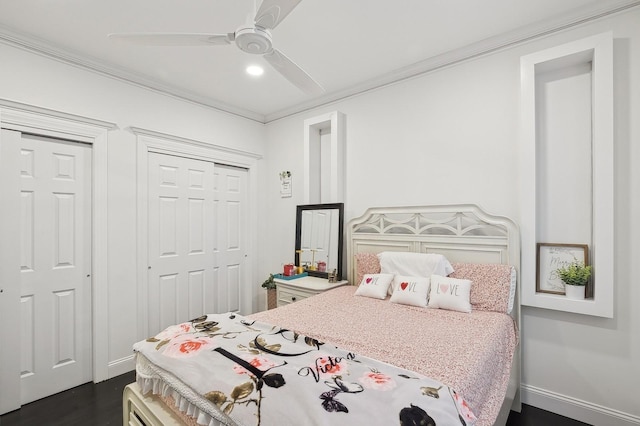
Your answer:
<point x="324" y="152"/>
<point x="567" y="166"/>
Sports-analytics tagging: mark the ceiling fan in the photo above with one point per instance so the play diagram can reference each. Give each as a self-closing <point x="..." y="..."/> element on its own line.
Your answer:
<point x="254" y="38"/>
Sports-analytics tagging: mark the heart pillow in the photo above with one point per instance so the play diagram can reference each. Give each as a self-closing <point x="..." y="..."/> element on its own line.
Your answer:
<point x="374" y="285"/>
<point x="450" y="293"/>
<point x="410" y="290"/>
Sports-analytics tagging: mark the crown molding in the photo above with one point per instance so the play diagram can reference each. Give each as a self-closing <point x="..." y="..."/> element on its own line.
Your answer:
<point x="453" y="57"/>
<point x="466" y="53"/>
<point x="40" y="47"/>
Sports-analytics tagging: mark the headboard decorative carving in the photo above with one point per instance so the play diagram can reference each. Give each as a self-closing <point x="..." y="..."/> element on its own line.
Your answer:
<point x="418" y="223"/>
<point x="463" y="233"/>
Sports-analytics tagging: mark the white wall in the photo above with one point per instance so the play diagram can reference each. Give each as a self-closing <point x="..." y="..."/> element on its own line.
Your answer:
<point x="42" y="82"/>
<point x="451" y="136"/>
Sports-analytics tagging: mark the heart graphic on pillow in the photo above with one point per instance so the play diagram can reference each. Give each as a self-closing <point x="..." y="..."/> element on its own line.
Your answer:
<point x="403" y="285"/>
<point x="369" y="280"/>
<point x="444" y="288"/>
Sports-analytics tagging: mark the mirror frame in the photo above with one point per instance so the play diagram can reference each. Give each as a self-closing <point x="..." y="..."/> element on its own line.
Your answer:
<point x="328" y="206"/>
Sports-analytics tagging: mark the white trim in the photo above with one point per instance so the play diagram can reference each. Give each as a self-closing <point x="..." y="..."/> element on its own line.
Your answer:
<point x="151" y="141"/>
<point x="46" y="122"/>
<point x="225" y="154"/>
<point x="466" y="53"/>
<point x="122" y="365"/>
<point x="334" y="123"/>
<point x="35" y="120"/>
<point x="575" y="408"/>
<point x="9" y="294"/>
<point x="44" y="48"/>
<point x="599" y="49"/>
<point x="484" y="47"/>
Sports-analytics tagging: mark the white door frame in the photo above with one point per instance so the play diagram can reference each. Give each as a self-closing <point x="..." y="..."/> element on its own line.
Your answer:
<point x="10" y="364"/>
<point x="40" y="121"/>
<point x="151" y="141"/>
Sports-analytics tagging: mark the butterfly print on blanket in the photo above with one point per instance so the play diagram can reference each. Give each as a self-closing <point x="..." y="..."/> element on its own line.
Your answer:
<point x="329" y="403"/>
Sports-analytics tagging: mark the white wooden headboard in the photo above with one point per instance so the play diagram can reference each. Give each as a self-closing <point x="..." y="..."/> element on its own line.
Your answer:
<point x="462" y="233"/>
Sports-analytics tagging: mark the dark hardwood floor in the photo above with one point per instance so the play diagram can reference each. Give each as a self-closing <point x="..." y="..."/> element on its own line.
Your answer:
<point x="101" y="404"/>
<point x="87" y="405"/>
<point x="532" y="416"/>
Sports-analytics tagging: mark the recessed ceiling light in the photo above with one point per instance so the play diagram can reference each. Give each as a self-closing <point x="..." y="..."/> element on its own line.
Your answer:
<point x="255" y="70"/>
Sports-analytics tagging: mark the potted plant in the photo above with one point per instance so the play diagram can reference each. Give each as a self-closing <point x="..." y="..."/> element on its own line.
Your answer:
<point x="576" y="276"/>
<point x="270" y="285"/>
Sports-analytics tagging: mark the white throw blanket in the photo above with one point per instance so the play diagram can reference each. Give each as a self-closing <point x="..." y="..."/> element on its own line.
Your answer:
<point x="250" y="373"/>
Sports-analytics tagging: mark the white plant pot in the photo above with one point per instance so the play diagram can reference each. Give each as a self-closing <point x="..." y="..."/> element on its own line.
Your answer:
<point x="574" y="291"/>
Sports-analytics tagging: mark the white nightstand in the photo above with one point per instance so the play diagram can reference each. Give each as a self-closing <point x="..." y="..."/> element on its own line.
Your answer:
<point x="290" y="291"/>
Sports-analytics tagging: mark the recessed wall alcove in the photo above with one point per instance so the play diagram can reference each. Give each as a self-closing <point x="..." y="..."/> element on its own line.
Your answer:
<point x="567" y="165"/>
<point x="324" y="148"/>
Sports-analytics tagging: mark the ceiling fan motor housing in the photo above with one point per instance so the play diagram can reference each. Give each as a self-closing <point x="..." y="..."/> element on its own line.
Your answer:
<point x="254" y="40"/>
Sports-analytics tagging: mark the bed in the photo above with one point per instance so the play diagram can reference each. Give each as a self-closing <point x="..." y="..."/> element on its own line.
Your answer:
<point x="342" y="344"/>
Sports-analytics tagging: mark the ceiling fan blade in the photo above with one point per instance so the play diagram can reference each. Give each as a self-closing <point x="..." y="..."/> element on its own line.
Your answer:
<point x="296" y="75"/>
<point x="173" y="39"/>
<point x="272" y="12"/>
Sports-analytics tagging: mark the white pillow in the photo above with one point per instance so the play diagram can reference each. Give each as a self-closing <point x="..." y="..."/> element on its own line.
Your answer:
<point x="374" y="285"/>
<point x="410" y="290"/>
<point x="413" y="264"/>
<point x="512" y="290"/>
<point x="450" y="293"/>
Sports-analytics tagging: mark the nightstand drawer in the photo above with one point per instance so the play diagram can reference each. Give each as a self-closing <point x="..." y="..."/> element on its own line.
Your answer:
<point x="290" y="291"/>
<point x="286" y="296"/>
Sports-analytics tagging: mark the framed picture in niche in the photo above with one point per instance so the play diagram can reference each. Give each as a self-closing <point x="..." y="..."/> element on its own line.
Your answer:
<point x="550" y="257"/>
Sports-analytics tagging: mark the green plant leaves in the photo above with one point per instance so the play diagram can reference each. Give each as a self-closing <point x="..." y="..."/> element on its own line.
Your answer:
<point x="575" y="273"/>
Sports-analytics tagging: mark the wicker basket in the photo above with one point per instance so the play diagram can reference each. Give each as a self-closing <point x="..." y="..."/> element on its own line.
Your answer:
<point x="272" y="298"/>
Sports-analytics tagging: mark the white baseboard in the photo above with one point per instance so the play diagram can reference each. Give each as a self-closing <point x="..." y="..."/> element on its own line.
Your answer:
<point x="574" y="408"/>
<point x="121" y="366"/>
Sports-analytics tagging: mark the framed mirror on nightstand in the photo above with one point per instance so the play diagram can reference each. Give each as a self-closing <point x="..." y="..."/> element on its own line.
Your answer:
<point x="319" y="239"/>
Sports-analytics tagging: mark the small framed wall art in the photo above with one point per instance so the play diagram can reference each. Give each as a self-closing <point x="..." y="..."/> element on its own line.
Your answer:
<point x="285" y="184"/>
<point x="551" y="257"/>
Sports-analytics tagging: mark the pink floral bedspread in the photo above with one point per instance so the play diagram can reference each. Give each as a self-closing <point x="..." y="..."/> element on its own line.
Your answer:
<point x="470" y="352"/>
<point x="248" y="372"/>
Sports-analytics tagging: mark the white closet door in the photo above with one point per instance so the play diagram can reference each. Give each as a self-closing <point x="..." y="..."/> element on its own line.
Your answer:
<point x="54" y="245"/>
<point x="181" y="283"/>
<point x="196" y="240"/>
<point x="231" y="237"/>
